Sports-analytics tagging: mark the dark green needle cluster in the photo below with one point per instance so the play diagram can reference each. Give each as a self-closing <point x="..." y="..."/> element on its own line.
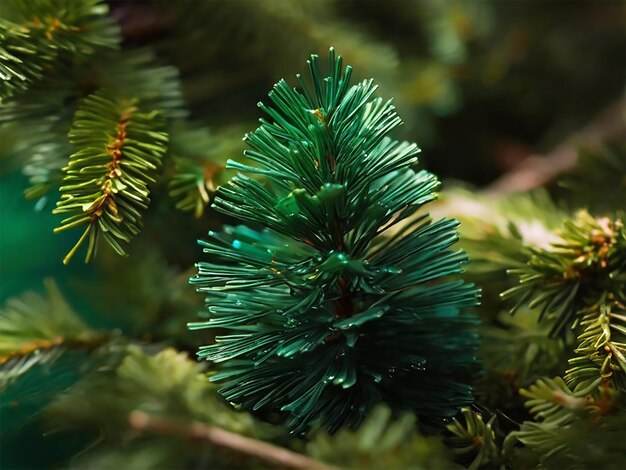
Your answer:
<point x="343" y="295"/>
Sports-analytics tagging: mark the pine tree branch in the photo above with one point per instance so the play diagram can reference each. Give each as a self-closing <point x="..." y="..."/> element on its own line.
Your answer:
<point x="105" y="187"/>
<point x="36" y="37"/>
<point x="601" y="353"/>
<point x="382" y="441"/>
<point x="45" y="345"/>
<point x="472" y="438"/>
<point x="36" y="329"/>
<point x="199" y="160"/>
<point x="575" y="273"/>
<point x="281" y="457"/>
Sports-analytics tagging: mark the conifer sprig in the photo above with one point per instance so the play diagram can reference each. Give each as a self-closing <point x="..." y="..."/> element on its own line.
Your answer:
<point x="136" y="389"/>
<point x="601" y="354"/>
<point x="199" y="158"/>
<point x="574" y="274"/>
<point x="36" y="329"/>
<point x="472" y="438"/>
<point x="39" y="35"/>
<point x="106" y="181"/>
<point x="17" y="56"/>
<point x="325" y="313"/>
<point x="381" y="441"/>
<point x="565" y="420"/>
<point x="581" y="283"/>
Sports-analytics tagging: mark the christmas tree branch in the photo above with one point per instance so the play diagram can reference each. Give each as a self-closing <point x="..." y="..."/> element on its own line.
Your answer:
<point x="105" y="186"/>
<point x="37" y="329"/>
<point x="45" y="345"/>
<point x="282" y="458"/>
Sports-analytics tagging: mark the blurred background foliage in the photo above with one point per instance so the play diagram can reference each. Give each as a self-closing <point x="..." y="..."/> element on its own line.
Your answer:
<point x="485" y="88"/>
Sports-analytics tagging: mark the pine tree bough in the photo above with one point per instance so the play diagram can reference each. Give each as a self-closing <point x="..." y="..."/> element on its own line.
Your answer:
<point x="37" y="329"/>
<point x="325" y="312"/>
<point x="106" y="181"/>
<point x="578" y="283"/>
<point x="37" y="36"/>
<point x="585" y="265"/>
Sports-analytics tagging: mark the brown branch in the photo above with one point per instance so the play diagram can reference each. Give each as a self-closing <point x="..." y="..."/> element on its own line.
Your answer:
<point x="39" y="345"/>
<point x="538" y="170"/>
<point x="281" y="457"/>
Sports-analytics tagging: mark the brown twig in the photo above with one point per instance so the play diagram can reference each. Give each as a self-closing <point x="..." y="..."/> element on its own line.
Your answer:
<point x="39" y="345"/>
<point x="279" y="456"/>
<point x="537" y="170"/>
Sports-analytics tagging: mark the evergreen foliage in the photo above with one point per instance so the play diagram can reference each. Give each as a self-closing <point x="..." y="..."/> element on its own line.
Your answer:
<point x="500" y="231"/>
<point x="37" y="330"/>
<point x="39" y="35"/>
<point x="602" y="349"/>
<point x="325" y="312"/>
<point x="518" y="345"/>
<point x="199" y="160"/>
<point x="106" y="181"/>
<point x="550" y="260"/>
<point x="141" y="389"/>
<point x="589" y="263"/>
<point x="381" y="442"/>
<point x="472" y="437"/>
<point x="338" y="256"/>
<point x="582" y="280"/>
<point x="573" y="429"/>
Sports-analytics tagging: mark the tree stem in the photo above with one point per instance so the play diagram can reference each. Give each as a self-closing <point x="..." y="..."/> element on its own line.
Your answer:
<point x="219" y="437"/>
<point x="538" y="170"/>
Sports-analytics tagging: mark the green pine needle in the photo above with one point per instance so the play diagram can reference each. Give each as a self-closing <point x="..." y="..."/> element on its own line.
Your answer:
<point x="472" y="438"/>
<point x="573" y="429"/>
<point x="38" y="35"/>
<point x="199" y="158"/>
<point x="382" y="441"/>
<point x="105" y="187"/>
<point x="601" y="354"/>
<point x="574" y="274"/>
<point x="36" y="330"/>
<point x="332" y="308"/>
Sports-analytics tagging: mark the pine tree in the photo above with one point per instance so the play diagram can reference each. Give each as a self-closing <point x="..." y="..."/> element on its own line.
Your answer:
<point x="335" y="305"/>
